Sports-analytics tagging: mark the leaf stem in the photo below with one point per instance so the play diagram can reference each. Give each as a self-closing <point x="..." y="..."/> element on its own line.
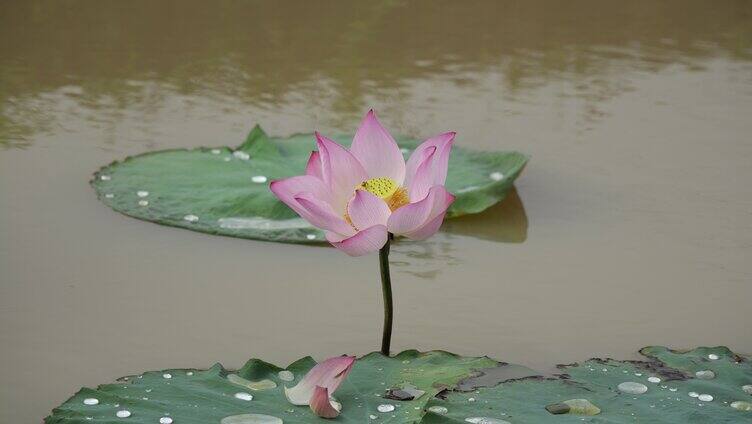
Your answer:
<point x="386" y="288"/>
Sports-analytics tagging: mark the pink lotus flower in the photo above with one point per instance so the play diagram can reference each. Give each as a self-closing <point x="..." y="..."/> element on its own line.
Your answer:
<point x="317" y="387"/>
<point x="359" y="196"/>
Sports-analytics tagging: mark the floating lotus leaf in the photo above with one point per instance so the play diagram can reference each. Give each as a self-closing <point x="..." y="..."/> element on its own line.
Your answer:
<point x="226" y="190"/>
<point x="597" y="380"/>
<point x="206" y="397"/>
<point x="457" y="390"/>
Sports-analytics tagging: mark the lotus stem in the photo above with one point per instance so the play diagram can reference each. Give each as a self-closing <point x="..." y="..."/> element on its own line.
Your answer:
<point x="386" y="288"/>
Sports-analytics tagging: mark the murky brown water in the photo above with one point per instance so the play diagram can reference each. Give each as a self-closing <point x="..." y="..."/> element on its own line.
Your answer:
<point x="632" y="225"/>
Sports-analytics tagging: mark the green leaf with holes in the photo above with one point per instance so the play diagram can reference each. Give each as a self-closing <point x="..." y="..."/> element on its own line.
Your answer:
<point x="204" y="397"/>
<point x="225" y="190"/>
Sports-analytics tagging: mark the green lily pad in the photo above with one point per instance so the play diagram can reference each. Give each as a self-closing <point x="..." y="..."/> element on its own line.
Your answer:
<point x="597" y="380"/>
<point x="204" y="397"/>
<point x="457" y="390"/>
<point x="225" y="190"/>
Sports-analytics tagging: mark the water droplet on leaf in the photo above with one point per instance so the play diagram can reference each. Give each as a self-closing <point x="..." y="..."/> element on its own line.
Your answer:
<point x="253" y="385"/>
<point x="244" y="396"/>
<point x="741" y="405"/>
<point x="496" y="176"/>
<point x="385" y="407"/>
<point x="705" y="375"/>
<point x="632" y="388"/>
<point x="436" y="409"/>
<point x="251" y="419"/>
<point x="705" y="397"/>
<point x="286" y="375"/>
<point x="485" y="420"/>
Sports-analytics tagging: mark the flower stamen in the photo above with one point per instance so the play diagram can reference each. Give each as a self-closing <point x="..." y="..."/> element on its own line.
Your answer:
<point x="388" y="190"/>
<point x="382" y="187"/>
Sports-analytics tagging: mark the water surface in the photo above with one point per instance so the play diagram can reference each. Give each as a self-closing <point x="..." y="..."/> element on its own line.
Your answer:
<point x="632" y="224"/>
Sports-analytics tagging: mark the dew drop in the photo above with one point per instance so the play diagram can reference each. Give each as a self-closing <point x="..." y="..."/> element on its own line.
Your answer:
<point x="259" y="179"/>
<point x="142" y="193"/>
<point x="286" y="375"/>
<point x="105" y="177"/>
<point x="632" y="388"/>
<point x="654" y="379"/>
<point x="471" y="399"/>
<point x="496" y="176"/>
<point x="244" y="396"/>
<point x="165" y="420"/>
<point x="705" y="375"/>
<point x="189" y="373"/>
<point x="166" y="375"/>
<point x="373" y="417"/>
<point x="216" y="151"/>
<point x="109" y="195"/>
<point x="436" y="409"/>
<point x="693" y="394"/>
<point x="385" y="407"/>
<point x="485" y="420"/>
<point x="311" y="236"/>
<point x="741" y="405"/>
<point x="123" y="413"/>
<point x="251" y="419"/>
<point x="91" y="401"/>
<point x="143" y="203"/>
<point x="241" y="155"/>
<point x="713" y="357"/>
<point x="227" y="159"/>
<point x="190" y="218"/>
<point x="705" y="397"/>
<point x="253" y="385"/>
<point x="673" y="389"/>
<point x="747" y="388"/>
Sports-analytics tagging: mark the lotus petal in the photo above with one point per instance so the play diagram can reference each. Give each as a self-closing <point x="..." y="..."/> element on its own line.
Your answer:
<point x="328" y="374"/>
<point x="321" y="405"/>
<point x="376" y="149"/>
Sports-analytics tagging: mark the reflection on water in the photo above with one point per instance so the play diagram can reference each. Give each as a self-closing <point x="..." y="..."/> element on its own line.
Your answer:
<point x="636" y="200"/>
<point x="504" y="222"/>
<point x="425" y="259"/>
<point x="107" y="61"/>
